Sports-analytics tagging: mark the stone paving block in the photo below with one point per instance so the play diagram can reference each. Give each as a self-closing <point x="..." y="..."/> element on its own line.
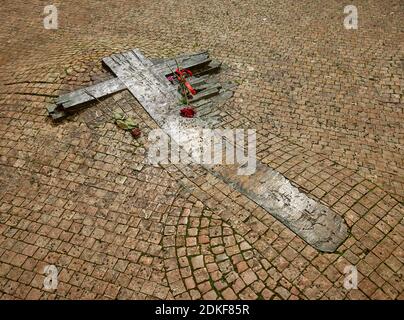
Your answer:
<point x="79" y="195"/>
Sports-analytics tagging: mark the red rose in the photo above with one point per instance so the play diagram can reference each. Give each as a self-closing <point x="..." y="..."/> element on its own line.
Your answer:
<point x="136" y="133"/>
<point x="187" y="112"/>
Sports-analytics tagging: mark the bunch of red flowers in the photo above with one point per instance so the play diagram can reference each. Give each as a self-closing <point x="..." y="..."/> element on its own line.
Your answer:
<point x="186" y="89"/>
<point x="187" y="112"/>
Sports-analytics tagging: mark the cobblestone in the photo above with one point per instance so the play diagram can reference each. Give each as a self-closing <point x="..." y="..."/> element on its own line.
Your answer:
<point x="327" y="104"/>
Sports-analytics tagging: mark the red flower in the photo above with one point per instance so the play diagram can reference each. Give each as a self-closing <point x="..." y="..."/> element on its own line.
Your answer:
<point x="187" y="112"/>
<point x="183" y="72"/>
<point x="136" y="133"/>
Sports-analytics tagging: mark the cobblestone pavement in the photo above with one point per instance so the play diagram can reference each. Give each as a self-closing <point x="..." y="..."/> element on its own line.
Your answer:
<point x="327" y="104"/>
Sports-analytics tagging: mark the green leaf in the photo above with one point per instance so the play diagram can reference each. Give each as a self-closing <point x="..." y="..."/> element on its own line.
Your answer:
<point x="119" y="116"/>
<point x="127" y="124"/>
<point x="183" y="101"/>
<point x="130" y="123"/>
<point x="122" y="124"/>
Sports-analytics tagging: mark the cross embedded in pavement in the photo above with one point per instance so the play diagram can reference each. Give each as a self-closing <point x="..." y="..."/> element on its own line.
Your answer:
<point x="317" y="224"/>
<point x="69" y="103"/>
